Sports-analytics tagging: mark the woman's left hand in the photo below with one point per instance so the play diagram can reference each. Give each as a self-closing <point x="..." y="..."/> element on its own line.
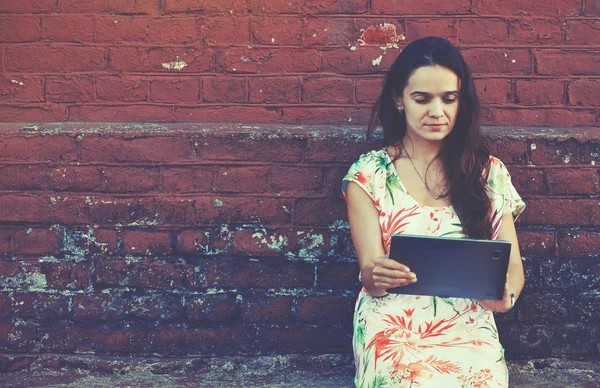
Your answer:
<point x="500" y="306"/>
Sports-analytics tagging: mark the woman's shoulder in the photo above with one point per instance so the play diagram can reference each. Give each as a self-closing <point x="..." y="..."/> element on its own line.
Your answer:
<point x="373" y="158"/>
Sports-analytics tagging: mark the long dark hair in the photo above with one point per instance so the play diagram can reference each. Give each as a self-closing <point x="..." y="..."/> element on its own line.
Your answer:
<point x="464" y="158"/>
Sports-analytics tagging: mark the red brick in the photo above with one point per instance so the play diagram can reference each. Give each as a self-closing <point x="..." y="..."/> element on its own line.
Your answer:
<point x="67" y="276"/>
<point x="194" y="241"/>
<point x="259" y="243"/>
<point x="319" y="212"/>
<point x="550" y="211"/>
<point x="330" y="90"/>
<point x="142" y="149"/>
<point x="236" y="145"/>
<point x="121" y="114"/>
<point x="494" y="90"/>
<point x="28" y="6"/>
<point x="138" y="59"/>
<point x="171" y="30"/>
<point x="592" y="8"/>
<point x="517" y="7"/>
<point x="573" y="181"/>
<point x="21" y="88"/>
<point x="121" y="88"/>
<point x="535" y="31"/>
<point x="267" y="308"/>
<point x="584" y="92"/>
<point x="175" y="90"/>
<point x="420" y="28"/>
<point x="274" y="30"/>
<point x="130" y="179"/>
<point x="224" y="31"/>
<point x="324" y="309"/>
<point x="322" y="149"/>
<point x="326" y="116"/>
<point x="537" y="244"/>
<point x="98" y="307"/>
<point x="263" y="60"/>
<point x="153" y="307"/>
<point x="41" y="113"/>
<point x="543" y="308"/>
<point x="304" y="7"/>
<point x="38" y="148"/>
<point x="186" y="180"/>
<point x="220" y="308"/>
<point x="40" y="306"/>
<point x="368" y="90"/>
<point x="106" y="210"/>
<point x="498" y="61"/>
<point x="229" y="114"/>
<point x="261" y="274"/>
<point x="109" y="6"/>
<point x="291" y="179"/>
<point x="73" y="178"/>
<point x="540" y="92"/>
<point x="528" y="180"/>
<point x="578" y="244"/>
<point x="328" y="32"/>
<point x="17" y="29"/>
<point x="24" y="178"/>
<point x="116" y="28"/>
<point x="221" y="89"/>
<point x="37" y="242"/>
<point x="204" y="6"/>
<point x="6" y="242"/>
<point x="252" y="179"/>
<point x="274" y="90"/>
<point x="338" y="275"/>
<point x="538" y="117"/>
<point x="232" y="210"/>
<point x="116" y="272"/>
<point x="425" y="7"/>
<point x="147" y="243"/>
<point x="561" y="151"/>
<point x="69" y="28"/>
<point x="54" y="59"/>
<point x="362" y="60"/>
<point x="567" y="62"/>
<point x="70" y="88"/>
<point x="482" y="31"/>
<point x="5" y="304"/>
<point x="209" y="341"/>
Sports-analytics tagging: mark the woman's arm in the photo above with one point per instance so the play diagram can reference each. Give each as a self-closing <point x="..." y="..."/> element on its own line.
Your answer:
<point x="377" y="271"/>
<point x="515" y="275"/>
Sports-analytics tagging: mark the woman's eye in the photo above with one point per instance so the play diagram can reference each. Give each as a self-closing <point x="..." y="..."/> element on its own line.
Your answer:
<point x="450" y="100"/>
<point x="421" y="101"/>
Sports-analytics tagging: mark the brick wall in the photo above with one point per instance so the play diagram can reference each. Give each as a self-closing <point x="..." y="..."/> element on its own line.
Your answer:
<point x="305" y="62"/>
<point x="227" y="239"/>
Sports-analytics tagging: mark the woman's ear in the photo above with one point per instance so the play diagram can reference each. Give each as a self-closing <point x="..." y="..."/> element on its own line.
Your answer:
<point x="398" y="102"/>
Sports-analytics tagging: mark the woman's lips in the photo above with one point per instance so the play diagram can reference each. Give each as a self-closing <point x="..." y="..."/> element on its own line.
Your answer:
<point x="436" y="126"/>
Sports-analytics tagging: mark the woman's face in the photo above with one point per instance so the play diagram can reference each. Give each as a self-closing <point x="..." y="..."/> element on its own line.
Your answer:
<point x="430" y="100"/>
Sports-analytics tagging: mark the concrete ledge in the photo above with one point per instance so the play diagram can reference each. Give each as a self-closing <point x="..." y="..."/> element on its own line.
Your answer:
<point x="329" y="370"/>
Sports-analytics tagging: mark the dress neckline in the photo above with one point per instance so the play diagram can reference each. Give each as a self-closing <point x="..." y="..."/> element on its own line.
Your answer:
<point x="392" y="168"/>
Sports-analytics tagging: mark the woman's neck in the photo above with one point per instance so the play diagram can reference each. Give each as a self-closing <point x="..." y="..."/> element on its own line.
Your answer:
<point x="419" y="150"/>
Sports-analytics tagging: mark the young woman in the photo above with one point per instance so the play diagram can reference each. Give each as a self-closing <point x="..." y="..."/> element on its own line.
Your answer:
<point x="435" y="178"/>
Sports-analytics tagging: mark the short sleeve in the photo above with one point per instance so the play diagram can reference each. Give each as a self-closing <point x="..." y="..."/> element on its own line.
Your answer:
<point x="364" y="172"/>
<point x="502" y="193"/>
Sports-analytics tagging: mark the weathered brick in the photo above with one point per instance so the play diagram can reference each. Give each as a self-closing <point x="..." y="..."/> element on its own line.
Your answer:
<point x="550" y="211"/>
<point x="516" y="7"/>
<point x="116" y="28"/>
<point x="154" y="307"/>
<point x="538" y="116"/>
<point x="69" y="28"/>
<point x="304" y="7"/>
<point x="340" y="275"/>
<point x="126" y="89"/>
<point x="18" y="336"/>
<point x="193" y="6"/>
<point x="160" y="59"/>
<point x="325" y="309"/>
<point x="563" y="151"/>
<point x="583" y="32"/>
<point x="218" y="308"/>
<point x="70" y="89"/>
<point x="540" y="92"/>
<point x="147" y="243"/>
<point x="566" y="62"/>
<point x="277" y="31"/>
<point x="255" y="243"/>
<point x="225" y="209"/>
<point x="263" y="60"/>
<point x="24" y="177"/>
<point x="20" y="29"/>
<point x="228" y="114"/>
<point x="117" y="272"/>
<point x="319" y="212"/>
<point x="534" y="31"/>
<point x="305" y="339"/>
<point x="360" y="61"/>
<point x="73" y="178"/>
<point x="110" y="6"/>
<point x="21" y="275"/>
<point x="574" y="339"/>
<point x="592" y="8"/>
<point x="192" y="241"/>
<point x="329" y="90"/>
<point x="21" y="88"/>
<point x="98" y="307"/>
<point x="224" y="31"/>
<point x="251" y="179"/>
<point x="425" y="7"/>
<point x="143" y="149"/>
<point x="537" y="244"/>
<point x="221" y="89"/>
<point x="483" y="31"/>
<point x="274" y="90"/>
<point x="67" y="276"/>
<point x="37" y="241"/>
<point x="575" y="274"/>
<point x="579" y="244"/>
<point x="24" y="208"/>
<point x="44" y="113"/>
<point x="187" y="179"/>
<point x="172" y="30"/>
<point x="210" y="341"/>
<point x="40" y="306"/>
<point x="368" y="90"/>
<point x="421" y="27"/>
<point x="57" y="59"/>
<point x="6" y="242"/>
<point x="584" y="92"/>
<point x="130" y="179"/>
<point x="267" y="308"/>
<point x="547" y="308"/>
<point x="528" y="180"/>
<point x="498" y="61"/>
<point x="326" y="115"/>
<point x="184" y="90"/>
<point x="121" y="114"/>
<point x="289" y="179"/>
<point x="573" y="181"/>
<point x="28" y="6"/>
<point x="326" y="32"/>
<point x="494" y="90"/>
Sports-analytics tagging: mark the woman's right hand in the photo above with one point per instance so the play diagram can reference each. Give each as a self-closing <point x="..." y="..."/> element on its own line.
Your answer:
<point x="387" y="273"/>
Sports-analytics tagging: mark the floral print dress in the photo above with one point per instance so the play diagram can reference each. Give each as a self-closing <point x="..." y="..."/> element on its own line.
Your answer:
<point x="423" y="341"/>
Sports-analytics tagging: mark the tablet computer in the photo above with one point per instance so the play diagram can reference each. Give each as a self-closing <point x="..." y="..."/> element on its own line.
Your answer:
<point x="452" y="267"/>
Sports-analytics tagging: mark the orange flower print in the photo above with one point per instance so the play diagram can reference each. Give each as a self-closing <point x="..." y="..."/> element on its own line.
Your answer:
<point x="362" y="177"/>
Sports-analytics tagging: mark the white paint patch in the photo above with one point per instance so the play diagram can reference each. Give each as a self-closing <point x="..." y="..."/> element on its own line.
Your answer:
<point x="353" y="48"/>
<point x="177" y="65"/>
<point x="533" y="146"/>
<point x="377" y="61"/>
